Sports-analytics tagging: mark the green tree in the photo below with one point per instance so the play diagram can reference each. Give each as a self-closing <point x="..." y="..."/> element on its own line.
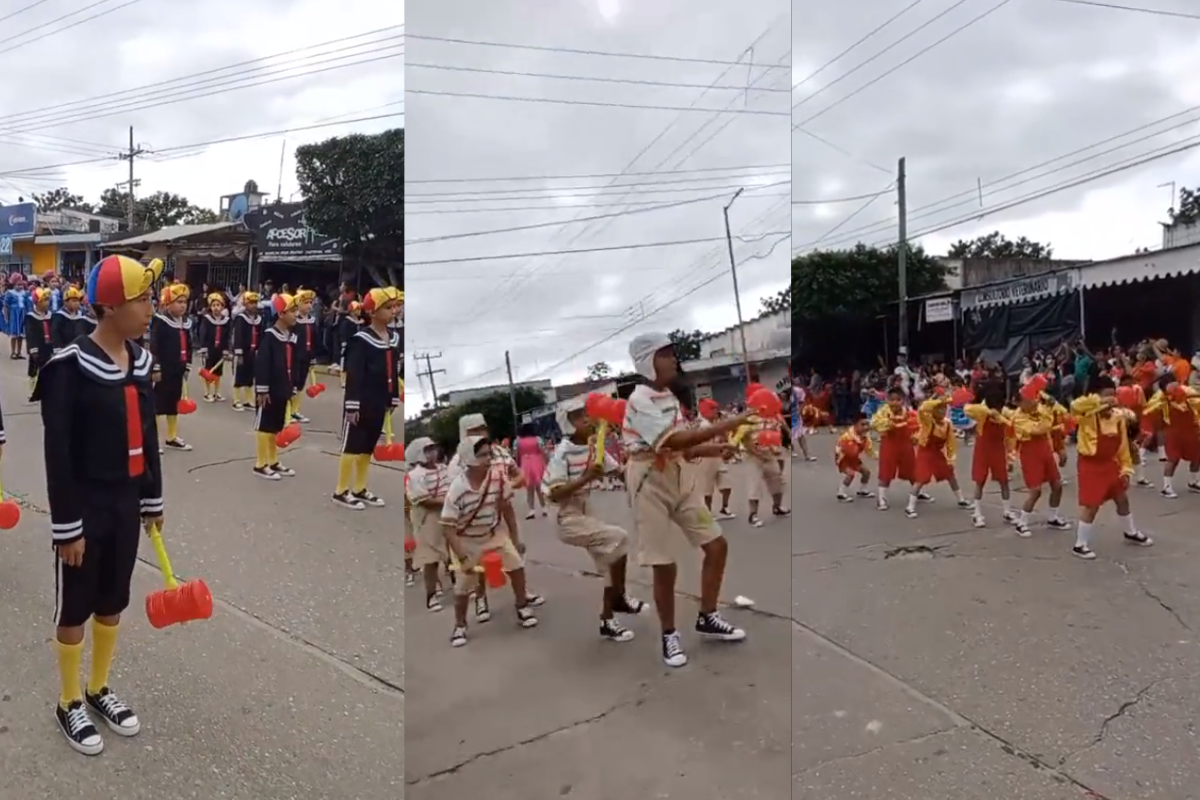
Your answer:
<point x="599" y="371"/>
<point x="997" y="245"/>
<point x="496" y="409"/>
<point x="1189" y="207"/>
<point x="859" y="282"/>
<point x="154" y="211"/>
<point x="60" y="199"/>
<point x="687" y="345"/>
<point x="354" y="189"/>
<point x="780" y="301"/>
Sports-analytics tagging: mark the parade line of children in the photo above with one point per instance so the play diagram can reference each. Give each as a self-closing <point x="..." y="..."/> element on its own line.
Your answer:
<point x="918" y="446"/>
<point x="461" y="514"/>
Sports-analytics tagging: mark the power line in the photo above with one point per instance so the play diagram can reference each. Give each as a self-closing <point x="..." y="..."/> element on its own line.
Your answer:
<point x="587" y="78"/>
<point x="833" y="200"/>
<point x="8" y="48"/>
<point x="483" y="276"/>
<point x="599" y="104"/>
<point x="595" y="175"/>
<point x="842" y="150"/>
<point x="604" y="187"/>
<point x="29" y="7"/>
<point x="608" y="54"/>
<point x="535" y="226"/>
<point x="852" y="47"/>
<point x="580" y="251"/>
<point x="905" y="62"/>
<point x="596" y="192"/>
<point x="852" y="215"/>
<point x="1138" y="9"/>
<point x="559" y="207"/>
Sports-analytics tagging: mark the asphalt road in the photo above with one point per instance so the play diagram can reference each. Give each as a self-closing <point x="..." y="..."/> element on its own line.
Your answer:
<point x="556" y="712"/>
<point x="294" y="688"/>
<point x="934" y="660"/>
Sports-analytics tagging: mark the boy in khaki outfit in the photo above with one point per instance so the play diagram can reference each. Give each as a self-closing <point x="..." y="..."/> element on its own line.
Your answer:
<point x="572" y="469"/>
<point x="765" y="471"/>
<point x="661" y="495"/>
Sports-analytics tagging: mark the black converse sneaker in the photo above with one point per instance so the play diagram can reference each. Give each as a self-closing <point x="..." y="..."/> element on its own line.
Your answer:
<point x="1138" y="538"/>
<point x="526" y="618"/>
<point x="628" y="605"/>
<point x="781" y="512"/>
<point x="266" y="473"/>
<point x="347" y="500"/>
<point x="119" y="717"/>
<point x="754" y="521"/>
<point x="282" y="471"/>
<point x="459" y="637"/>
<point x="433" y="602"/>
<point x="300" y="418"/>
<point x="177" y="444"/>
<point x="367" y="498"/>
<point x="614" y="631"/>
<point x="77" y="726"/>
<point x="1084" y="552"/>
<point x="712" y="626"/>
<point x="534" y="600"/>
<point x="672" y="650"/>
<point x="482" y="612"/>
<point x="1058" y="524"/>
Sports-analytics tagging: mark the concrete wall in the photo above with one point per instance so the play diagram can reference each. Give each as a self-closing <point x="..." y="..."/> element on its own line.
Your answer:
<point x="978" y="271"/>
<point x="762" y="333"/>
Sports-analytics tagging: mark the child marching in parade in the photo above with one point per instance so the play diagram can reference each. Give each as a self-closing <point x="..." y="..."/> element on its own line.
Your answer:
<point x="897" y="457"/>
<point x="1176" y="411"/>
<point x="989" y="458"/>
<point x="570" y="473"/>
<point x="68" y="323"/>
<point x="936" y="449"/>
<point x="171" y="346"/>
<point x="848" y="452"/>
<point x="273" y="389"/>
<point x="372" y="373"/>
<point x="214" y="345"/>
<point x="1104" y="463"/>
<point x="1033" y="424"/>
<point x="38" y="338"/>
<point x="426" y="487"/>
<point x="305" y="347"/>
<point x="347" y="327"/>
<point x="104" y="484"/>
<point x="247" y="332"/>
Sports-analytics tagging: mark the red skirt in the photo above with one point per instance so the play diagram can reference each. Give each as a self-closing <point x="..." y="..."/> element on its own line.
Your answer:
<point x="896" y="459"/>
<point x="989" y="461"/>
<point x="932" y="466"/>
<point x="1100" y="475"/>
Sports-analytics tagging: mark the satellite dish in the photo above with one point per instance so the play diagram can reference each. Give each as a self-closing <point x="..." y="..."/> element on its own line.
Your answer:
<point x="238" y="207"/>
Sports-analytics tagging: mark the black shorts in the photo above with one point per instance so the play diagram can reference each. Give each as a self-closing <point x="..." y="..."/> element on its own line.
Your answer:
<point x="112" y="531"/>
<point x="360" y="439"/>
<point x="214" y="361"/>
<point x="168" y="391"/>
<point x="272" y="417"/>
<point x="300" y="370"/>
<point x="243" y="373"/>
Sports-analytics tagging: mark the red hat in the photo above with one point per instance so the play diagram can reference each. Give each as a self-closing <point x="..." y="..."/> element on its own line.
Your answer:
<point x="1034" y="387"/>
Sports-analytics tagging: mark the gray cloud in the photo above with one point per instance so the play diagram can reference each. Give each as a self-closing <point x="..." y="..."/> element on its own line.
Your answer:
<point x="545" y="309"/>
<point x="148" y="42"/>
<point x="1029" y="83"/>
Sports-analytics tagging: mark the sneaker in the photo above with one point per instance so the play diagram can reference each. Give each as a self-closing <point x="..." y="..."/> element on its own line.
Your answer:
<point x="410" y="579"/>
<point x="781" y="512"/>
<point x="1023" y="530"/>
<point x="1193" y="486"/>
<point x="672" y="650"/>
<point x="1144" y="482"/>
<point x="208" y="398"/>
<point x="628" y="605"/>
<point x="755" y="522"/>
<point x="614" y="631"/>
<point x="433" y="603"/>
<point x="531" y="515"/>
<point x="725" y="513"/>
<point x="863" y="493"/>
<point x="77" y="726"/>
<point x="266" y="473"/>
<point x="219" y="398"/>
<point x="282" y="471"/>
<point x="1138" y="538"/>
<point x="713" y="626"/>
<point x="526" y="618"/>
<point x="239" y="406"/>
<point x="1084" y="552"/>
<point x="844" y="498"/>
<point x="964" y="504"/>
<point x="1169" y="494"/>
<point x="911" y="513"/>
<point x="119" y="717"/>
<point x="810" y="459"/>
<point x="979" y="522"/>
<point x="303" y="420"/>
<point x="483" y="612"/>
<point x="346" y="499"/>
<point x="1058" y="524"/>
<point x="1011" y="517"/>
<point x="459" y="637"/>
<point x="177" y="444"/>
<point x="882" y="505"/>
<point x="534" y="600"/>
<point x="925" y="497"/>
<point x="368" y="498"/>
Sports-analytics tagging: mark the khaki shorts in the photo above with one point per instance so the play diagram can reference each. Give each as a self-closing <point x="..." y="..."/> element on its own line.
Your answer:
<point x="712" y="476"/>
<point x="431" y="542"/>
<point x="764" y="473"/>
<point x="662" y="500"/>
<point x="605" y="543"/>
<point x="475" y="547"/>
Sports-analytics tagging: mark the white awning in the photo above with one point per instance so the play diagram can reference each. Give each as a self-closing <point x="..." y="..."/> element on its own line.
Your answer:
<point x="1142" y="267"/>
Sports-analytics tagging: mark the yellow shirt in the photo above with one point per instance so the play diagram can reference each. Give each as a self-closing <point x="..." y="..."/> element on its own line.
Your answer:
<point x="1029" y="425"/>
<point x="931" y="427"/>
<point x="1089" y="412"/>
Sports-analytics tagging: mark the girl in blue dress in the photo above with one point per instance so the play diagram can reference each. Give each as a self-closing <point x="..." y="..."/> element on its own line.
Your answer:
<point x="16" y="306"/>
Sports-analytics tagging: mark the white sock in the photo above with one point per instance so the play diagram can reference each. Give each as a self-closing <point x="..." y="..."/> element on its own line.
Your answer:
<point x="1007" y="505"/>
<point x="1024" y="517"/>
<point x="912" y="501"/>
<point x="1168" y="483"/>
<point x="977" y="507"/>
<point x="958" y="495"/>
<point x="1083" y="534"/>
<point x="1127" y="520"/>
<point x="1054" y="515"/>
<point x="843" y="490"/>
<point x="882" y="494"/>
<point x="1142" y="456"/>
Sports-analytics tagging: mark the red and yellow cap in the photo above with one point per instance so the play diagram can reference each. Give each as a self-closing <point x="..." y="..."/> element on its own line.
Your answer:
<point x="378" y="298"/>
<point x="72" y="292"/>
<point x="283" y="303"/>
<point x="176" y="291"/>
<point x="305" y="296"/>
<point x="117" y="280"/>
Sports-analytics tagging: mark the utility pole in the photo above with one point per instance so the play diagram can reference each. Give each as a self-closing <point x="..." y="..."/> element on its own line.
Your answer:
<point x="737" y="295"/>
<point x="131" y="156"/>
<point x="512" y="394"/>
<point x="430" y="372"/>
<point x="902" y="256"/>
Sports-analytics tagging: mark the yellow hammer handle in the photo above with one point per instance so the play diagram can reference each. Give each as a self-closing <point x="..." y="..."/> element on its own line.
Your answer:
<point x="164" y="563"/>
<point x="601" y="430"/>
<point x="387" y="428"/>
<point x="456" y="566"/>
<point x="185" y="397"/>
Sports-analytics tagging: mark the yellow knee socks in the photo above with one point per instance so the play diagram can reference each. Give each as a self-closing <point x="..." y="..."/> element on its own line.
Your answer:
<point x="104" y="647"/>
<point x="295" y="409"/>
<point x="272" y="450"/>
<point x="172" y="427"/>
<point x="345" y="470"/>
<point x="262" y="449"/>
<point x="70" y="660"/>
<point x="361" y="465"/>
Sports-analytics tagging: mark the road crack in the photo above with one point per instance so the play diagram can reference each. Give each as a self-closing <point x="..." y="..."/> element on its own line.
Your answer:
<point x="872" y="751"/>
<point x="1121" y="711"/>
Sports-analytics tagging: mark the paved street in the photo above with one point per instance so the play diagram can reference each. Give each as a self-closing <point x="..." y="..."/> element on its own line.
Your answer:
<point x="294" y="689"/>
<point x="933" y="660"/>
<point x="556" y="712"/>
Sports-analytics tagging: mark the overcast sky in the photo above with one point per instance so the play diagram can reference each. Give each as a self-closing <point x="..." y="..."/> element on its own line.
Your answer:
<point x="545" y="309"/>
<point x="1031" y="82"/>
<point x="50" y="116"/>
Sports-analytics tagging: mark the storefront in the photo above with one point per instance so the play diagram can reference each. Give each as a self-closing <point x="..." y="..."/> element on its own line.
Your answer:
<point x="288" y="251"/>
<point x="1006" y="321"/>
<point x="18" y="225"/>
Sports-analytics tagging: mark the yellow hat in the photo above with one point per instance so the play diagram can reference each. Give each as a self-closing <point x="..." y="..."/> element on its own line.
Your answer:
<point x="216" y="297"/>
<point x="250" y="298"/>
<point x="72" y="292"/>
<point x="378" y="298"/>
<point x="283" y="303"/>
<point x="173" y="292"/>
<point x="305" y="295"/>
